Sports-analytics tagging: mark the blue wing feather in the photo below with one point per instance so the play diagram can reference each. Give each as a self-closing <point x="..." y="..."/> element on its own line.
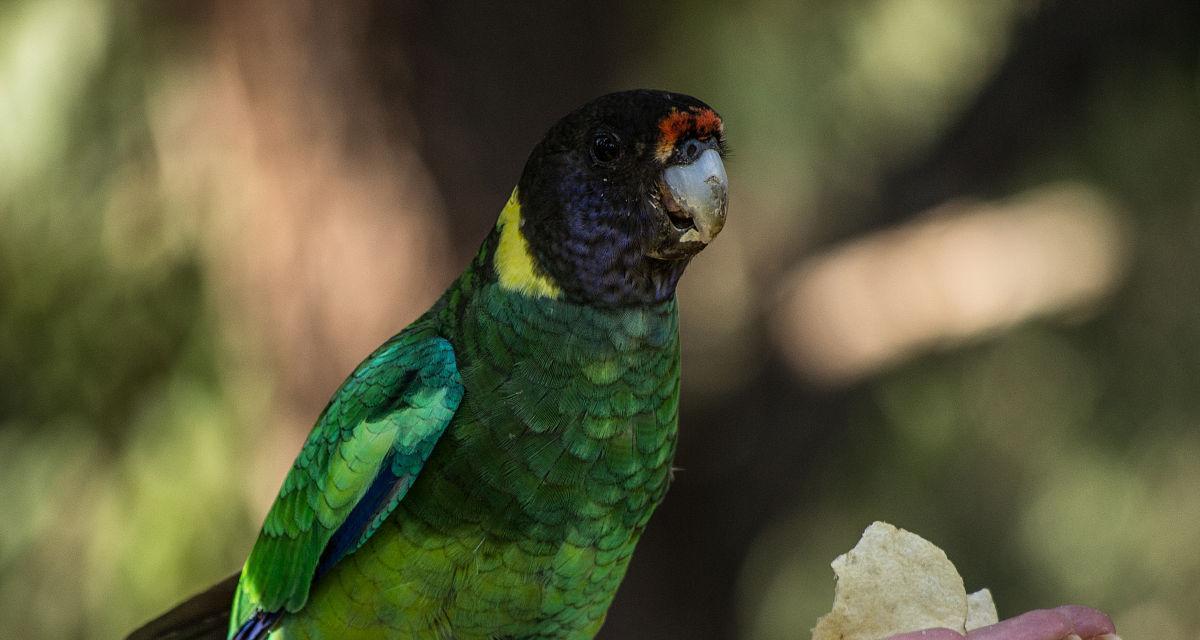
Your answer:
<point x="258" y="626"/>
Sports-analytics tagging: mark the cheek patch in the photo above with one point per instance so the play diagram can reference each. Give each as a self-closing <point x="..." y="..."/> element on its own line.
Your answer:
<point x="701" y="123"/>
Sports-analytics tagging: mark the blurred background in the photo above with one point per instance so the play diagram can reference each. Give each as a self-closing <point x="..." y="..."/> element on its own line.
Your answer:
<point x="959" y="290"/>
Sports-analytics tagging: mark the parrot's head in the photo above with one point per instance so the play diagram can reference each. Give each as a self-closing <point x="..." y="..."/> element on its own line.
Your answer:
<point x="616" y="199"/>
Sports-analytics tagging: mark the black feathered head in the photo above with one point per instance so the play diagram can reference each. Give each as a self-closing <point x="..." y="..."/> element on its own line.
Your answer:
<point x="615" y="201"/>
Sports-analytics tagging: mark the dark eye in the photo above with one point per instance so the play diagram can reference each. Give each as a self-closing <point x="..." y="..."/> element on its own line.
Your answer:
<point x="606" y="147"/>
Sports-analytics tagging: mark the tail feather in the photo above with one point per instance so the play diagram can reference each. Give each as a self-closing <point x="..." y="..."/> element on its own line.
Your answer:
<point x="204" y="616"/>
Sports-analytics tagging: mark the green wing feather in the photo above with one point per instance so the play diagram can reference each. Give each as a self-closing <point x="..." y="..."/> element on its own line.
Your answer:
<point x="393" y="407"/>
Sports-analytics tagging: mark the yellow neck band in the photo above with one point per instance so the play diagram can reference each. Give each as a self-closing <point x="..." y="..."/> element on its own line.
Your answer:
<point x="513" y="262"/>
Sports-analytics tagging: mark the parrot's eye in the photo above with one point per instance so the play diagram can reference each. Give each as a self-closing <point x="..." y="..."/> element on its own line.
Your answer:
<point x="606" y="147"/>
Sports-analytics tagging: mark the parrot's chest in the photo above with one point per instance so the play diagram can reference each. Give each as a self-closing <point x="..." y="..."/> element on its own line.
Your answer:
<point x="567" y="434"/>
<point x="569" y="418"/>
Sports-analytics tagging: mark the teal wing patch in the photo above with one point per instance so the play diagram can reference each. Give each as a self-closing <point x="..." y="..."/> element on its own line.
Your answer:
<point x="362" y="456"/>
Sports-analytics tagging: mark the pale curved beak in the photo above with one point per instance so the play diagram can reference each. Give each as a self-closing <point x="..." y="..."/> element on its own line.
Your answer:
<point x="700" y="191"/>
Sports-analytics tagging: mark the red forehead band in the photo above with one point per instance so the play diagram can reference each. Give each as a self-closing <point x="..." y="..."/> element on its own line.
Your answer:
<point x="700" y="123"/>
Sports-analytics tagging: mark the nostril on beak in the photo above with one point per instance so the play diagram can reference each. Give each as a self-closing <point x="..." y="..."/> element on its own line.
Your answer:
<point x="690" y="151"/>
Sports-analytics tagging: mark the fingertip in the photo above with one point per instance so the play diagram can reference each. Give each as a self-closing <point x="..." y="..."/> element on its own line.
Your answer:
<point x="1087" y="622"/>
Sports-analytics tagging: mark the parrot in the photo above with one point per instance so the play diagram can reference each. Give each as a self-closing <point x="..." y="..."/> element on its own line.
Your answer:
<point x="486" y="473"/>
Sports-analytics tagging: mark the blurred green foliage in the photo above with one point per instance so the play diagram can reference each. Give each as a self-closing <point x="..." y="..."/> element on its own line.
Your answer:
<point x="116" y="430"/>
<point x="1057" y="461"/>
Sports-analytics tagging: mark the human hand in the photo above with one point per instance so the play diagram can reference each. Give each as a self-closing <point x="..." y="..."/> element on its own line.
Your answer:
<point x="1070" y="622"/>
